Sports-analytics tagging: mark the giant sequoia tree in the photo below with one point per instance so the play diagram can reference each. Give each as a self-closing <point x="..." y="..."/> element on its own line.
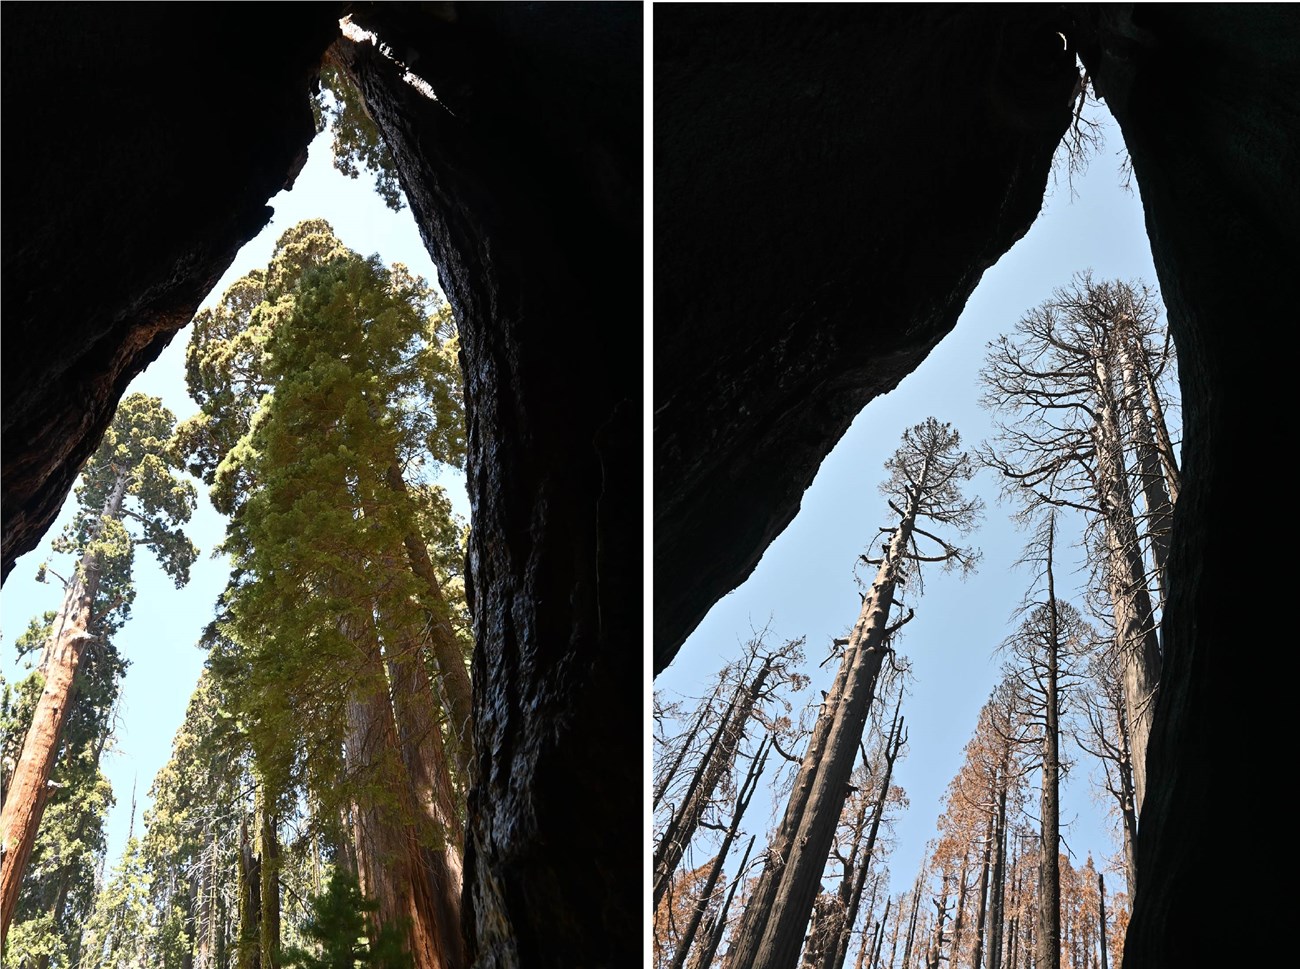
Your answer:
<point x="329" y="387"/>
<point x="129" y="496"/>
<point x="925" y="481"/>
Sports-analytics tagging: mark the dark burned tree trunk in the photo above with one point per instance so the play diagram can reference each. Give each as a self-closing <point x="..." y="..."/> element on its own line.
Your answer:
<point x="911" y="925"/>
<point x="717" y="761"/>
<point x="705" y="958"/>
<point x="1101" y="917"/>
<point x="853" y="897"/>
<point x="761" y="899"/>
<point x="997" y="912"/>
<point x="977" y="957"/>
<point x="1049" y="877"/>
<point x="742" y="802"/>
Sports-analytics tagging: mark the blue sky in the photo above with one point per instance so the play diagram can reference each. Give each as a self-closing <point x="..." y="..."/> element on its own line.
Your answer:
<point x="160" y="639"/>
<point x="804" y="583"/>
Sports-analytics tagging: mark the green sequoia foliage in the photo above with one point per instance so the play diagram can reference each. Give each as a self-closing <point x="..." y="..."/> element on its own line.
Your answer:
<point x="331" y="393"/>
<point x="357" y="144"/>
<point x="118" y="928"/>
<point x="340" y="933"/>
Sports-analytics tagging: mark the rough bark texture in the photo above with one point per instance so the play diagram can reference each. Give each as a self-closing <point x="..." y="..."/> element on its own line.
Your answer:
<point x="795" y="180"/>
<point x="524" y="177"/>
<point x="781" y="932"/>
<point x="1208" y="99"/>
<point x="749" y="931"/>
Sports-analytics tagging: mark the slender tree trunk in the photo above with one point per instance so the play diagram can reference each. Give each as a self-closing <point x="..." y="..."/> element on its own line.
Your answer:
<point x="779" y="945"/>
<point x="702" y="903"/>
<point x="24" y="802"/>
<point x="1049" y="871"/>
<point x="911" y="928"/>
<point x="200" y="916"/>
<point x="716" y="763"/>
<point x="879" y="940"/>
<point x="720" y="924"/>
<point x="1101" y="915"/>
<point x="977" y="958"/>
<point x="997" y="912"/>
<point x="941" y="916"/>
<point x="1164" y="445"/>
<point x="1127" y="807"/>
<point x="893" y="745"/>
<point x="959" y="915"/>
<point x="895" y="933"/>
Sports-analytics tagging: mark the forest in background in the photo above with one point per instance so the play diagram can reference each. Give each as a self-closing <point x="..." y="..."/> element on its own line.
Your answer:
<point x="1085" y="450"/>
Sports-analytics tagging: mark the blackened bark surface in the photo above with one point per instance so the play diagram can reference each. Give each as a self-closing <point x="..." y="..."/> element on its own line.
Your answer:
<point x="802" y="154"/>
<point x="144" y="142"/>
<point x="1208" y="99"/>
<point x="524" y="177"/>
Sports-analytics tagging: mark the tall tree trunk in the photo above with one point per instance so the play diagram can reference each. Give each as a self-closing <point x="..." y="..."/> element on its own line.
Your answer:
<point x="716" y="763"/>
<point x="911" y="927"/>
<point x="1164" y="445"/>
<point x="389" y="860"/>
<point x="977" y="958"/>
<point x="935" y="953"/>
<point x="779" y="945"/>
<point x="1049" y="871"/>
<point x="893" y="745"/>
<point x="879" y="940"/>
<point x="1127" y="807"/>
<point x="743" y="797"/>
<point x="959" y="916"/>
<point x="1151" y="474"/>
<point x="997" y="913"/>
<point x="420" y="738"/>
<point x="720" y="924"/>
<point x="25" y="798"/>
<point x="269" y="924"/>
<point x="1101" y="916"/>
<point x="1126" y="578"/>
<point x="748" y="932"/>
<point x="250" y="902"/>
